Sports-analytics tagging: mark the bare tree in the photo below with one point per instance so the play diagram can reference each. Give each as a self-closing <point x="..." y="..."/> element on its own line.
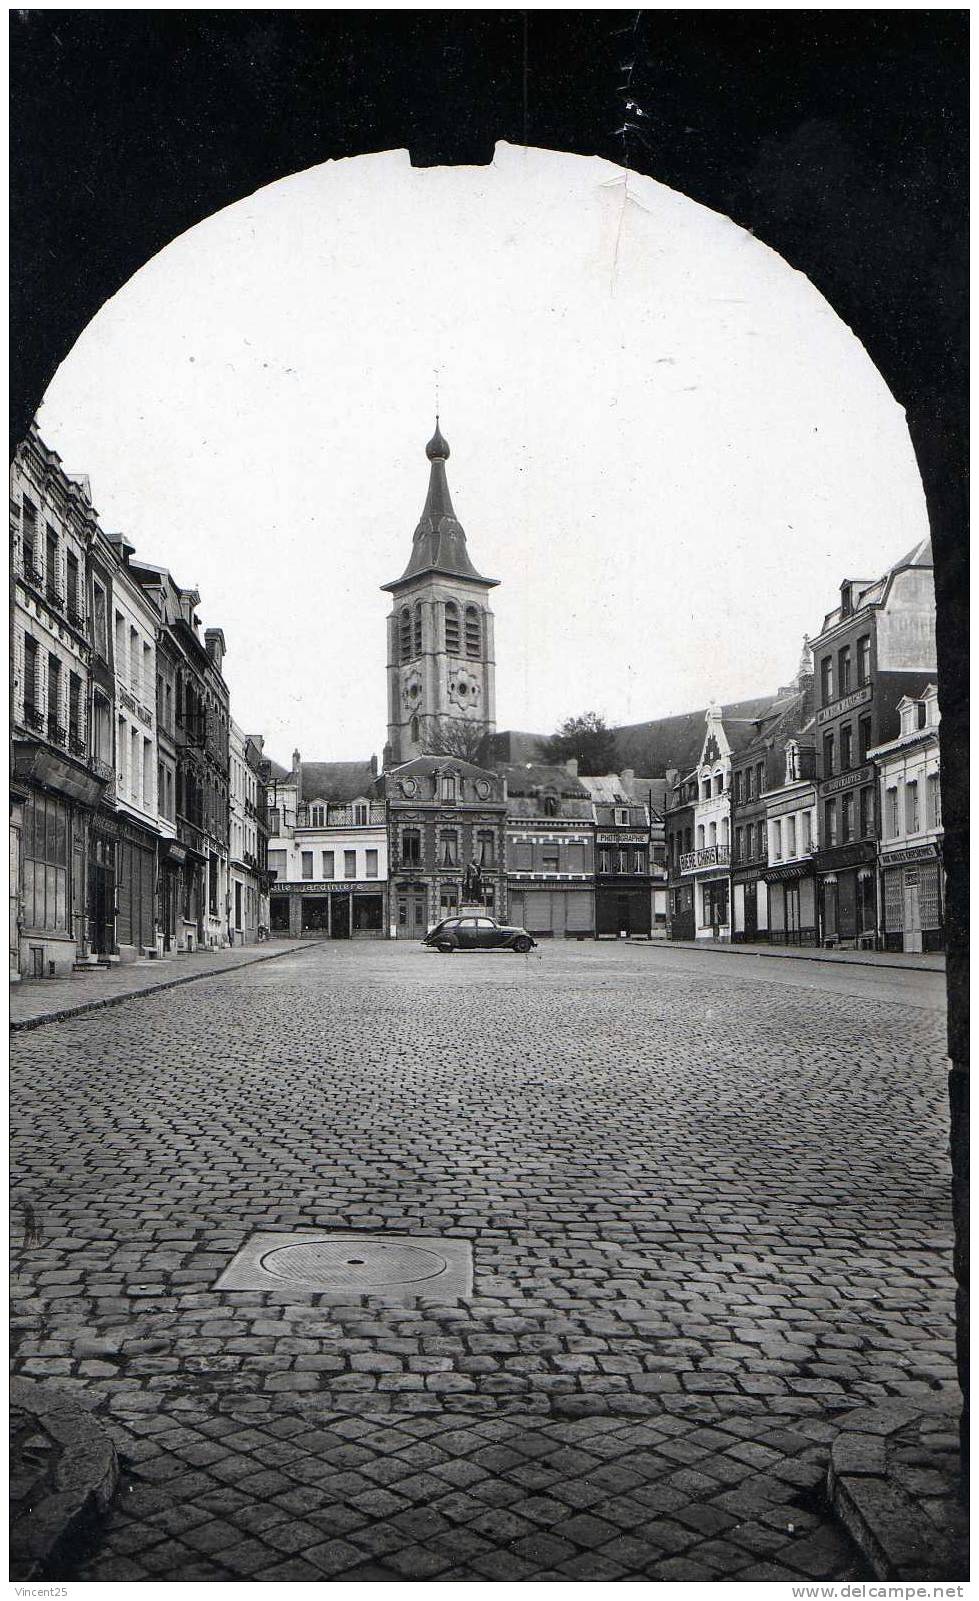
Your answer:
<point x="467" y="741"/>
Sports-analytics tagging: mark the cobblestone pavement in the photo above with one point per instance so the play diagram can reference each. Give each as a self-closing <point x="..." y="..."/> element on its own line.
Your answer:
<point x="709" y="1213"/>
<point x="41" y="1000"/>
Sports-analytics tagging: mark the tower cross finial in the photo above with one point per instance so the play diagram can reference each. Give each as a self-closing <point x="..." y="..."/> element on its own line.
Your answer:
<point x="437" y="372"/>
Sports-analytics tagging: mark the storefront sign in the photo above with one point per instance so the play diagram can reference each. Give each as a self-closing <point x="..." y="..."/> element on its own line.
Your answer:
<point x="914" y="853"/>
<point x="860" y="775"/>
<point x="839" y="708"/>
<point x="798" y="803"/>
<point x="622" y="839"/>
<point x="328" y="886"/>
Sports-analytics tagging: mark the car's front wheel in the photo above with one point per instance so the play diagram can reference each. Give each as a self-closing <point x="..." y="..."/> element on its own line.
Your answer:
<point x="522" y="944"/>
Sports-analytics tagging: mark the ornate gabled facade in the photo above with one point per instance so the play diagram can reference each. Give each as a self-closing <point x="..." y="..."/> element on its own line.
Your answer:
<point x="446" y="841"/>
<point x="440" y="662"/>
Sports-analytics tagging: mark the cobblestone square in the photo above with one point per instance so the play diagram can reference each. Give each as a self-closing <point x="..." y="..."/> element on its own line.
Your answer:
<point x="708" y="1202"/>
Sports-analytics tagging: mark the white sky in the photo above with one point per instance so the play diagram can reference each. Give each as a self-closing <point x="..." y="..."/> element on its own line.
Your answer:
<point x="664" y="442"/>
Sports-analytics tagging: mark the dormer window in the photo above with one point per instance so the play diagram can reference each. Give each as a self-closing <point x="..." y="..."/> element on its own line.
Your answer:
<point x="907" y="714"/>
<point x="793" y="769"/>
<point x="846" y="598"/>
<point x="622" y="816"/>
<point x="550" y="806"/>
<point x="317" y="817"/>
<point x="361" y="813"/>
<point x="448" y="787"/>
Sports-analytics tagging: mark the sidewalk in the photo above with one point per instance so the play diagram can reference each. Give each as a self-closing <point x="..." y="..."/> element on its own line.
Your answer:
<point x="922" y="962"/>
<point x="34" y="1002"/>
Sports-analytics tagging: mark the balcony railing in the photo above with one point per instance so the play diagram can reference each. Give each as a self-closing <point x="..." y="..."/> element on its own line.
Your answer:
<point x="54" y="596"/>
<point x="75" y="617"/>
<point x="57" y="733"/>
<point x="32" y="574"/>
<point x="76" y="744"/>
<point x="707" y="856"/>
<point x="33" y="717"/>
<point x="101" y="769"/>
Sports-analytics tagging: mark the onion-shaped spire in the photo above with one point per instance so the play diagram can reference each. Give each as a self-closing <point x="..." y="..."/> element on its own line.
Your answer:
<point x="437" y="449"/>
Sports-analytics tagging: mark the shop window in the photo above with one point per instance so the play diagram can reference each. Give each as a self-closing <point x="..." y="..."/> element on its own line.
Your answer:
<point x="306" y="864"/>
<point x="45" y="852"/>
<point x="370" y="864"/>
<point x="448" y="899"/>
<point x="350" y="864"/>
<point x="411" y="847"/>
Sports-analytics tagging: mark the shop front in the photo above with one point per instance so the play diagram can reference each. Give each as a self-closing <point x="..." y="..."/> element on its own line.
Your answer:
<point x="847" y="897"/>
<point x="49" y="924"/>
<point x="912" y="908"/>
<point x="550" y="912"/>
<point x="329" y="910"/>
<point x="751" y="905"/>
<point x="681" y="924"/>
<point x="792" y="918"/>
<point x="169" y="892"/>
<point x="135" y="891"/>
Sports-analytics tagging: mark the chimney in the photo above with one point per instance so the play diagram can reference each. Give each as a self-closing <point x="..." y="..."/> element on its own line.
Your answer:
<point x="672" y="775"/>
<point x="628" y="776"/>
<point x="215" y="646"/>
<point x="571" y="766"/>
<point x="374" y="764"/>
<point x="297" y="775"/>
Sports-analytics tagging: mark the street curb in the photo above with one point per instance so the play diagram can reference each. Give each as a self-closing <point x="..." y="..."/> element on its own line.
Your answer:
<point x="21" y="1025"/>
<point x="779" y="956"/>
<point x="85" y="1478"/>
<point x="890" y="1529"/>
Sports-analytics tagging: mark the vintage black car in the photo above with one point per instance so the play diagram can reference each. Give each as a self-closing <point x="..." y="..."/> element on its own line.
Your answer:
<point x="482" y="933"/>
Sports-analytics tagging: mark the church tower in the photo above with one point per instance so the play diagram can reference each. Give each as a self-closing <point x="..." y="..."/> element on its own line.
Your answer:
<point x="441" y="668"/>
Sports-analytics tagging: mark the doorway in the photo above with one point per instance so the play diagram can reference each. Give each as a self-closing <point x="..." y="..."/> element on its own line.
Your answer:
<point x="340" y="916"/>
<point x="412" y="922"/>
<point x="102" y="895"/>
<point x="912" y="911"/>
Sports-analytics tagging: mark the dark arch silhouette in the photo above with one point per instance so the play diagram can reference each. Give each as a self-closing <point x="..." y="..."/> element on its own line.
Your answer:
<point x="837" y="137"/>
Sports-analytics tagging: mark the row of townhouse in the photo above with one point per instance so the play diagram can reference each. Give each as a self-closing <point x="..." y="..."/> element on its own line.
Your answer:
<point x="357" y="854"/>
<point x="137" y="819"/>
<point x="818" y="822"/>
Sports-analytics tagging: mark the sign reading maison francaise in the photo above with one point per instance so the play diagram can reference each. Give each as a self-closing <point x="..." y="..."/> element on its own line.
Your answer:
<point x="839" y="708"/>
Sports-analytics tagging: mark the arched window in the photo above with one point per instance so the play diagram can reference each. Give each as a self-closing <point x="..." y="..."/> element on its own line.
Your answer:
<point x="417" y="628"/>
<point x="452" y="627"/>
<point x="473" y="631"/>
<point x="414" y="730"/>
<point x="550" y="805"/>
<point x="404" y="634"/>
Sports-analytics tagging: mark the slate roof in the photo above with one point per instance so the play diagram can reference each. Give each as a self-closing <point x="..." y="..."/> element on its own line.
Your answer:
<point x="870" y="592"/>
<point x="440" y="541"/>
<point x="337" y="781"/>
<point x="678" y="741"/>
<point x="528" y="782"/>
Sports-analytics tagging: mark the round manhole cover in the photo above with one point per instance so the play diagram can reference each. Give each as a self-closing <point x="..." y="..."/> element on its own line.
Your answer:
<point x="352" y="1264"/>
